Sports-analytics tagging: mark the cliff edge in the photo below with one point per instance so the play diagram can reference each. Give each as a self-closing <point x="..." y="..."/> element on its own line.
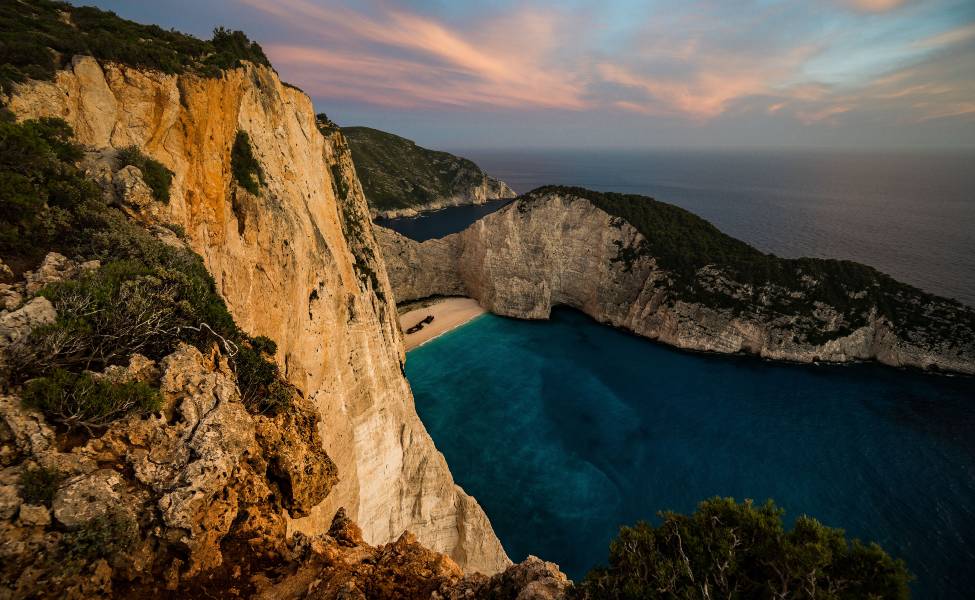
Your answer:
<point x="296" y="262"/>
<point x="668" y="275"/>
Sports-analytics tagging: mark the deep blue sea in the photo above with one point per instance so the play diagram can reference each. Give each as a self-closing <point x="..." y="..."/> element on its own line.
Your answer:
<point x="911" y="215"/>
<point x="564" y="430"/>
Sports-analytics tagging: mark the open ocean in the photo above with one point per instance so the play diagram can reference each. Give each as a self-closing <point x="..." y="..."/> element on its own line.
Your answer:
<point x="911" y="215"/>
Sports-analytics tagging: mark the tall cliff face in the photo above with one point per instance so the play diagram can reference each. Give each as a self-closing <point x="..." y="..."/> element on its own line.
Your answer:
<point x="558" y="248"/>
<point x="297" y="263"/>
<point x="402" y="179"/>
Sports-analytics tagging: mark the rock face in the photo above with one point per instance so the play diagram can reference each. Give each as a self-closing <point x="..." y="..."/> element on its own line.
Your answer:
<point x="561" y="249"/>
<point x="297" y="263"/>
<point x="401" y="179"/>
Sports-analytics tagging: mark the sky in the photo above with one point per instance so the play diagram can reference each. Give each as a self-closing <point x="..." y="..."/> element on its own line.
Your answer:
<point x="864" y="74"/>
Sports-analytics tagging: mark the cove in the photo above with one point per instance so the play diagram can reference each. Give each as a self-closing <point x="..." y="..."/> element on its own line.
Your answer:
<point x="566" y="429"/>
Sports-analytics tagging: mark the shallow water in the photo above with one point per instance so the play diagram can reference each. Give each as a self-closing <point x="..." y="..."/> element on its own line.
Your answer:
<point x="565" y="430"/>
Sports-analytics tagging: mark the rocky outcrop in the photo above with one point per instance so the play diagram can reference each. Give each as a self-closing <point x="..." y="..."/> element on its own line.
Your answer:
<point x="402" y="179"/>
<point x="561" y="249"/>
<point x="297" y="263"/>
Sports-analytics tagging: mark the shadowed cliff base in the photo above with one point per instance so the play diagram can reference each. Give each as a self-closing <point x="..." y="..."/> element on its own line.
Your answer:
<point x="666" y="274"/>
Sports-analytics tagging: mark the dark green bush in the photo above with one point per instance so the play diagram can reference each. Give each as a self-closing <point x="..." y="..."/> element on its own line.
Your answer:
<point x="83" y="401"/>
<point x="38" y="485"/>
<point x="262" y="389"/>
<point x="156" y="176"/>
<point x="103" y="536"/>
<point x="245" y="167"/>
<point x="731" y="550"/>
<point x="39" y="36"/>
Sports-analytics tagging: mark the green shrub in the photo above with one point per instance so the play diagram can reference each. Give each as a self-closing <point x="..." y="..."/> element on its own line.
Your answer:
<point x="262" y="389"/>
<point x="103" y="536"/>
<point x="156" y="176"/>
<point x="736" y="550"/>
<point x="83" y="401"/>
<point x="38" y="485"/>
<point x="246" y="168"/>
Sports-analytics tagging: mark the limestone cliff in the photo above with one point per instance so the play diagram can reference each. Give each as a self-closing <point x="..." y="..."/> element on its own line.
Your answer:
<point x="402" y="179"/>
<point x="297" y="263"/>
<point x="557" y="247"/>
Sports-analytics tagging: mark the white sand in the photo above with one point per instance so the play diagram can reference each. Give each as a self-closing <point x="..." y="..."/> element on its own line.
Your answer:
<point x="448" y="313"/>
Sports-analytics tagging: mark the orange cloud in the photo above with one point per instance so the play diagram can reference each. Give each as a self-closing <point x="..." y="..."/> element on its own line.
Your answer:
<point x="874" y="6"/>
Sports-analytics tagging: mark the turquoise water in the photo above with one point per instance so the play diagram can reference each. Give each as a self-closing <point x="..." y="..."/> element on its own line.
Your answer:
<point x="565" y="430"/>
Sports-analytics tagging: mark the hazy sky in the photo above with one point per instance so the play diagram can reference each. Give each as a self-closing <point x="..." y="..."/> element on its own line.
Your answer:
<point x="629" y="73"/>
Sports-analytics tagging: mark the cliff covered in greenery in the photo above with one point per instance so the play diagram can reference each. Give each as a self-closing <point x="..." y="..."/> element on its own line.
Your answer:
<point x="400" y="178"/>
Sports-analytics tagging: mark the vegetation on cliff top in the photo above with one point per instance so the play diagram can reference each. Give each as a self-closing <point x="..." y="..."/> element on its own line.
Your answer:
<point x="732" y="550"/>
<point x="713" y="268"/>
<point x="38" y="37"/>
<point x="396" y="173"/>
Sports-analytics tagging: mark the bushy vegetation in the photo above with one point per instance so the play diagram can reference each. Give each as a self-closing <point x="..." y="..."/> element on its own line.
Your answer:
<point x="262" y="388"/>
<point x="37" y="37"/>
<point x="38" y="485"/>
<point x="396" y="173"/>
<point x="146" y="297"/>
<point x="43" y="191"/>
<point x="156" y="176"/>
<point x="732" y="550"/>
<point x="80" y="400"/>
<point x="246" y="168"/>
<point x="103" y="536"/>
<point x="683" y="244"/>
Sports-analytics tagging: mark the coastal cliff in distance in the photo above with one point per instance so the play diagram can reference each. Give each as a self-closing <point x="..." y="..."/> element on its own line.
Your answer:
<point x="401" y="179"/>
<point x="663" y="273"/>
<point x="296" y="261"/>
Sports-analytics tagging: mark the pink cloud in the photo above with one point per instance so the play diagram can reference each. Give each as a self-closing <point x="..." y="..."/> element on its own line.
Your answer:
<point x="433" y="63"/>
<point x="873" y="6"/>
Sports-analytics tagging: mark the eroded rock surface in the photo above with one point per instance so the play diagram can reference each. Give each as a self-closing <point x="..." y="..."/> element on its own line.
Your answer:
<point x="561" y="249"/>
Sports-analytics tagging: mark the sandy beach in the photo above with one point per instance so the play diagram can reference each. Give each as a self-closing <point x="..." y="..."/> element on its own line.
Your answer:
<point x="447" y="313"/>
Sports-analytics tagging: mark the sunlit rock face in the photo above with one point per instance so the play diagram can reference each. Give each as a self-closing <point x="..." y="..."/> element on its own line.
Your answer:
<point x="561" y="249"/>
<point x="298" y="263"/>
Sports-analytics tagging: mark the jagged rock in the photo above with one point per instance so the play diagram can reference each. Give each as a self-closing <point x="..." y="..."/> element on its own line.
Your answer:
<point x="131" y="189"/>
<point x="89" y="496"/>
<point x="532" y="579"/>
<point x="9" y="501"/>
<point x="304" y="476"/>
<point x="10" y="296"/>
<point x="33" y="516"/>
<point x="53" y="269"/>
<point x="17" y="324"/>
<point x="303" y="269"/>
<point x="5" y="271"/>
<point x="23" y="433"/>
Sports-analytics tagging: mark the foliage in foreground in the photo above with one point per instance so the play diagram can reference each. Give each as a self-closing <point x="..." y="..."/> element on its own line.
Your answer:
<point x="82" y="400"/>
<point x="101" y="537"/>
<point x="156" y="176"/>
<point x="740" y="551"/>
<point x="38" y="485"/>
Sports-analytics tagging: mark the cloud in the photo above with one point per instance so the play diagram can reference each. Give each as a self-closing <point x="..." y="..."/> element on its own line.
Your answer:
<point x="873" y="6"/>
<point x="405" y="59"/>
<point x="810" y="62"/>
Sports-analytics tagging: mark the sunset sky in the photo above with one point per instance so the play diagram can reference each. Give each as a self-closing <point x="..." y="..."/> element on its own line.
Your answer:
<point x="630" y="73"/>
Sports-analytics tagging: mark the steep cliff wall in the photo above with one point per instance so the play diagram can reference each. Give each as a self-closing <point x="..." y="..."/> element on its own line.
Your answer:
<point x="297" y="263"/>
<point x="558" y="248"/>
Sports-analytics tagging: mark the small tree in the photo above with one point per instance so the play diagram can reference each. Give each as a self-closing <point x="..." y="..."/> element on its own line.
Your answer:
<point x="731" y="550"/>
